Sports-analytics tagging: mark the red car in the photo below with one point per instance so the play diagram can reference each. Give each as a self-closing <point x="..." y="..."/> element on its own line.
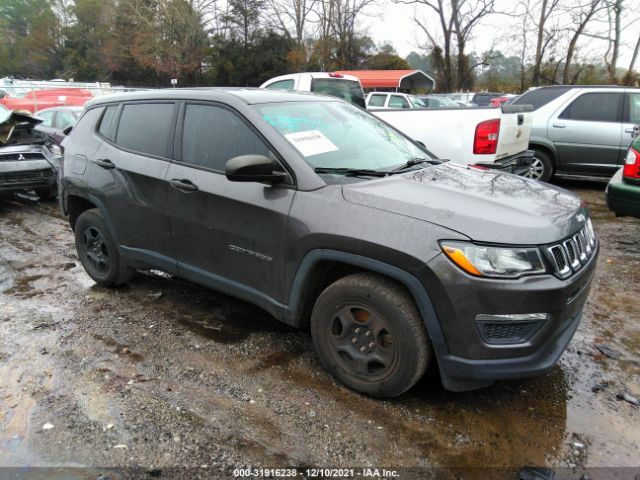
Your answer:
<point x="41" y="99"/>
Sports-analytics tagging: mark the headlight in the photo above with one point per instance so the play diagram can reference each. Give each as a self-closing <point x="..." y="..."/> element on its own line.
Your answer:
<point x="501" y="262"/>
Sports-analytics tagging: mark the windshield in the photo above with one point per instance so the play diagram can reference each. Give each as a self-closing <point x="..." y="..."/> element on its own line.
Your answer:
<point x="416" y="102"/>
<point x="339" y="135"/>
<point x="348" y="90"/>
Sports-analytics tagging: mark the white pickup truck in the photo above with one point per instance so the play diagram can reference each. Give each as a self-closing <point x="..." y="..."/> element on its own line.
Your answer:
<point x="486" y="137"/>
<point x="483" y="136"/>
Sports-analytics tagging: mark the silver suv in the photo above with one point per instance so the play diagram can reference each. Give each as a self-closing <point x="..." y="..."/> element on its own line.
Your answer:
<point x="581" y="130"/>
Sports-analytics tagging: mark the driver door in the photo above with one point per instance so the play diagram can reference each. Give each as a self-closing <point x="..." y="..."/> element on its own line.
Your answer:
<point x="225" y="233"/>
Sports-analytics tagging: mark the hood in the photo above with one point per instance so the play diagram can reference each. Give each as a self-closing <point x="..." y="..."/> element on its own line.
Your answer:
<point x="16" y="127"/>
<point x="484" y="205"/>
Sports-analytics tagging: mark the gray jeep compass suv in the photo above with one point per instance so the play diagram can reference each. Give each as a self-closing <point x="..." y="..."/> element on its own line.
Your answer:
<point x="329" y="218"/>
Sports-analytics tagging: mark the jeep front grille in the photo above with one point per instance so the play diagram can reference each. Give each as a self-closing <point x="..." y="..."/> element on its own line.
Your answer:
<point x="572" y="254"/>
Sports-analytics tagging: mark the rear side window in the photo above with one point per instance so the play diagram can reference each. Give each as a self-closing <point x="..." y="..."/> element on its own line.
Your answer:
<point x="281" y="85"/>
<point x="348" y="90"/>
<point x="107" y="124"/>
<point x="540" y="96"/>
<point x="213" y="135"/>
<point x="397" y="101"/>
<point x="146" y="128"/>
<point x="595" y="107"/>
<point x="377" y="100"/>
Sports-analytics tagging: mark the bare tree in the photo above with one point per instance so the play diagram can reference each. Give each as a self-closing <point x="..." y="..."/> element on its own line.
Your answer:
<point x="628" y="78"/>
<point x="291" y="17"/>
<point x="545" y="35"/>
<point x="457" y="20"/>
<point x="614" y="13"/>
<point x="581" y="15"/>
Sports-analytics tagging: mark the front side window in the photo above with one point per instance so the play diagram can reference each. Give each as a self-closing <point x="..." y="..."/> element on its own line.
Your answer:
<point x="377" y="100"/>
<point x="339" y="135"/>
<point x="213" y="135"/>
<point x="146" y="128"/>
<point x="396" y="101"/>
<point x="595" y="107"/>
<point x="348" y="90"/>
<point x="281" y="85"/>
<point x="539" y="97"/>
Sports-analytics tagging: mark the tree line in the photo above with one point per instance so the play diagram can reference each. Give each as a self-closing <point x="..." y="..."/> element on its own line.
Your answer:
<point x="550" y="42"/>
<point x="197" y="42"/>
<point x="244" y="42"/>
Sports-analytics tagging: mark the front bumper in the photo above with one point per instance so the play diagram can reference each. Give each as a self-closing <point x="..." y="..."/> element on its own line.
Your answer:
<point x="623" y="198"/>
<point x="517" y="164"/>
<point x="22" y="175"/>
<point x="467" y="360"/>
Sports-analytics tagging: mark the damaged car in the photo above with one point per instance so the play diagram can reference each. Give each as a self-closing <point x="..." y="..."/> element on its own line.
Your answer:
<point x="332" y="220"/>
<point x="28" y="158"/>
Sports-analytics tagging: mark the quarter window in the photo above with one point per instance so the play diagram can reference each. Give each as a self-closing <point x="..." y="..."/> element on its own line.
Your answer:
<point x="595" y="107"/>
<point x="107" y="124"/>
<point x="146" y="128"/>
<point x="213" y="135"/>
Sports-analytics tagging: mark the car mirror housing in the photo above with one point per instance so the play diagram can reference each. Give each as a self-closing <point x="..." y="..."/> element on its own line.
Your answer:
<point x="252" y="168"/>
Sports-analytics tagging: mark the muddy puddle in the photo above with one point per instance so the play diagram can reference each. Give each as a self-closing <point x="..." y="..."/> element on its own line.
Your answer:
<point x="173" y="379"/>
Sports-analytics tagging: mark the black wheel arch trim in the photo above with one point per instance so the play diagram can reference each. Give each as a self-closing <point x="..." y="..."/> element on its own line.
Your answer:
<point x="293" y="310"/>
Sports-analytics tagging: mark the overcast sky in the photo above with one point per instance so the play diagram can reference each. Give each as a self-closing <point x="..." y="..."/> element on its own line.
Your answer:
<point x="394" y="23"/>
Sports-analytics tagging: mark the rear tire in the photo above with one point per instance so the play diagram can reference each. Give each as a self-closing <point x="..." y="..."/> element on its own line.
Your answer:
<point x="370" y="335"/>
<point x="541" y="167"/>
<point x="97" y="250"/>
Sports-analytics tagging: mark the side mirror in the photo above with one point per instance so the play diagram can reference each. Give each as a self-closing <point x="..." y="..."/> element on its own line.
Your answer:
<point x="252" y="168"/>
<point x="67" y="130"/>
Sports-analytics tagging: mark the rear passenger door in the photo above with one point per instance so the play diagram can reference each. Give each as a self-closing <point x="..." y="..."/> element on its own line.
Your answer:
<point x="129" y="169"/>
<point x="586" y="133"/>
<point x="228" y="235"/>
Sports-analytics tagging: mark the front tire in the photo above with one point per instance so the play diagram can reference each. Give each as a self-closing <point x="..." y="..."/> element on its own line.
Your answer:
<point x="97" y="250"/>
<point x="370" y="335"/>
<point x="48" y="193"/>
<point x="541" y="167"/>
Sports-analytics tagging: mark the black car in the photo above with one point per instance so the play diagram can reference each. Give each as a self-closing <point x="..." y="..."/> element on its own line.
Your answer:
<point x="328" y="218"/>
<point x="27" y="161"/>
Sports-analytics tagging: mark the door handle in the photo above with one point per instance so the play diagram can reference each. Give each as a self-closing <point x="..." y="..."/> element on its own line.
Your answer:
<point x="628" y="130"/>
<point x="559" y="125"/>
<point x="183" y="185"/>
<point x="105" y="163"/>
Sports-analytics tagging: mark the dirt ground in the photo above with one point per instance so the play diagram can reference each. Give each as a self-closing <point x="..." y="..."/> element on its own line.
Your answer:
<point x="176" y="381"/>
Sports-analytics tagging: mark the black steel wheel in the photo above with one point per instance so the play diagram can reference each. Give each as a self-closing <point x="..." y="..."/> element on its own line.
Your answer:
<point x="97" y="250"/>
<point x="369" y="334"/>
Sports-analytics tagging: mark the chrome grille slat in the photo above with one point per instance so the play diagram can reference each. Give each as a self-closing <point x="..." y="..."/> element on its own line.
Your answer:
<point x="573" y="253"/>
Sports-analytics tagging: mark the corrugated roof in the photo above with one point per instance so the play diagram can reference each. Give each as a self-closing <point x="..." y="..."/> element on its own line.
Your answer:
<point x="389" y="78"/>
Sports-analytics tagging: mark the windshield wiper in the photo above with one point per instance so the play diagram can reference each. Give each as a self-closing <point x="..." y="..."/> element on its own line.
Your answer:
<point x="351" y="171"/>
<point x="412" y="163"/>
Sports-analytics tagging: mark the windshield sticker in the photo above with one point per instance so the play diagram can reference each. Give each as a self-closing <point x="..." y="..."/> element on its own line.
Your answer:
<point x="311" y="142"/>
